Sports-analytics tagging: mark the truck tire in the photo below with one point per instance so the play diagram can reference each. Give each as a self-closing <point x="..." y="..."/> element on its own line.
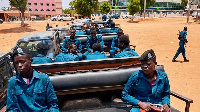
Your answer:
<point x="54" y="19"/>
<point x="72" y="19"/>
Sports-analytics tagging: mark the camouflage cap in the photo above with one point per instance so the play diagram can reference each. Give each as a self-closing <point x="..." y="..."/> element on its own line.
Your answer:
<point x="148" y="55"/>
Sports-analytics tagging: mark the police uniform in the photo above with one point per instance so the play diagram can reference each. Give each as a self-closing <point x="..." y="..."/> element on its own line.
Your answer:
<point x="104" y="17"/>
<point x="91" y="41"/>
<point x="96" y="55"/>
<point x="128" y="52"/>
<point x="113" y="30"/>
<point x="40" y="59"/>
<point x="65" y="56"/>
<point x="80" y="32"/>
<point x="181" y="48"/>
<point x="139" y="89"/>
<point x="114" y="46"/>
<point x="76" y="41"/>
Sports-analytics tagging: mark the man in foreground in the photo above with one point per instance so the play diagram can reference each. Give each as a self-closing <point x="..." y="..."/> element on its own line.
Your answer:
<point x="148" y="86"/>
<point x="29" y="90"/>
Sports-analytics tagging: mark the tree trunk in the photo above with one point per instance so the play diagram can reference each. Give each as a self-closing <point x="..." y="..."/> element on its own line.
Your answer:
<point x="22" y="18"/>
<point x="132" y="18"/>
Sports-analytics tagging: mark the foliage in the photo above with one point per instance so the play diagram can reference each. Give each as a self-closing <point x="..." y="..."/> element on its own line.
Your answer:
<point x="105" y="7"/>
<point x="85" y="7"/>
<point x="67" y="11"/>
<point x="21" y="5"/>
<point x="134" y="7"/>
<point x="184" y="2"/>
<point x="148" y="4"/>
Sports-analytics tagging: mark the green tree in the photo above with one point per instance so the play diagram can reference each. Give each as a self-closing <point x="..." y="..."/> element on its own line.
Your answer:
<point x="67" y="11"/>
<point x="105" y="7"/>
<point x="5" y="8"/>
<point x="184" y="2"/>
<point x="21" y="5"/>
<point x="148" y="4"/>
<point x="134" y="7"/>
<point x="85" y="7"/>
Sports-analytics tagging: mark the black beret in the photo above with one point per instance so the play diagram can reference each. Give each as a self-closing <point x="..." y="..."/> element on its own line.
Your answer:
<point x="147" y="55"/>
<point x="21" y="50"/>
<point x="42" y="46"/>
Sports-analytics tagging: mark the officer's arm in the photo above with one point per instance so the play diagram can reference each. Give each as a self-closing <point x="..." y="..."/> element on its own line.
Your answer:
<point x="79" y="46"/>
<point x="11" y="101"/>
<point x="113" y="44"/>
<point x="166" y="92"/>
<point x="52" y="101"/>
<point x="101" y="42"/>
<point x="88" y="44"/>
<point x="128" y="89"/>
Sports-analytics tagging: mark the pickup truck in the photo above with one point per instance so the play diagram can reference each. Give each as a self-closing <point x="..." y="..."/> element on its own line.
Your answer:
<point x="81" y="85"/>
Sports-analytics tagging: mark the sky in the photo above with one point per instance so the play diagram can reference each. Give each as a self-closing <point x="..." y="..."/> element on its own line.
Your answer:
<point x="5" y="3"/>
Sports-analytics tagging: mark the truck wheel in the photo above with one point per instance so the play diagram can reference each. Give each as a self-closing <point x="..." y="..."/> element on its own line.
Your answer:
<point x="54" y="19"/>
<point x="72" y="19"/>
<point x="61" y="20"/>
<point x="126" y="17"/>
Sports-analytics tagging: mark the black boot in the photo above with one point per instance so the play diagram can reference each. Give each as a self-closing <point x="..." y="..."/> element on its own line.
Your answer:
<point x="185" y="59"/>
<point x="174" y="60"/>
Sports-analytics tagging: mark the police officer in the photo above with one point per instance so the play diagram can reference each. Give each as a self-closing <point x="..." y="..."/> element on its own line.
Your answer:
<point x="181" y="49"/>
<point x="114" y="44"/>
<point x="113" y="29"/>
<point x="29" y="90"/>
<point x="94" y="38"/>
<point x="104" y="17"/>
<point x="41" y="58"/>
<point x="73" y="39"/>
<point x="71" y="54"/>
<point x="125" y="50"/>
<point x="147" y="86"/>
<point x="96" y="47"/>
<point x="47" y="27"/>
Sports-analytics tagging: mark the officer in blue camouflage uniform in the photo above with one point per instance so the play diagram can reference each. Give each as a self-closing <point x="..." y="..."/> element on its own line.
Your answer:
<point x="94" y="38"/>
<point x="125" y="50"/>
<point x="70" y="55"/>
<point x="114" y="44"/>
<point x="41" y="57"/>
<point x="96" y="47"/>
<point x="147" y="86"/>
<point x="181" y="49"/>
<point x="74" y="39"/>
<point x="113" y="29"/>
<point x="104" y="17"/>
<point x="109" y="21"/>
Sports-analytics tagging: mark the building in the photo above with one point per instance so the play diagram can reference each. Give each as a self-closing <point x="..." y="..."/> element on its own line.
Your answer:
<point x="44" y="8"/>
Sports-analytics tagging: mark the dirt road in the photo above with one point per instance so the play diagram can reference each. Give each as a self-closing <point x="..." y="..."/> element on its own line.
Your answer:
<point x="159" y="34"/>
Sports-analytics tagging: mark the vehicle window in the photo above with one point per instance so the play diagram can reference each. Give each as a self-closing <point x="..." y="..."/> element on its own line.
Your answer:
<point x="32" y="46"/>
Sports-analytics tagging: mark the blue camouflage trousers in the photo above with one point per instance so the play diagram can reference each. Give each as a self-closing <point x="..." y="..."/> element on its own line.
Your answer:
<point x="181" y="49"/>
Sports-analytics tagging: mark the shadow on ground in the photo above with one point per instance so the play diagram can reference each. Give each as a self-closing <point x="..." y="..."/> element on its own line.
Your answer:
<point x="18" y="29"/>
<point x="130" y="21"/>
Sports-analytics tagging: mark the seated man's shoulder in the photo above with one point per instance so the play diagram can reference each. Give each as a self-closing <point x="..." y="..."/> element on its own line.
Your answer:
<point x="163" y="74"/>
<point x="42" y="75"/>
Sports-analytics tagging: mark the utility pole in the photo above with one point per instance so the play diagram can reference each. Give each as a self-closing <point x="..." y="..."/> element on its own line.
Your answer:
<point x="188" y="10"/>
<point x="144" y="8"/>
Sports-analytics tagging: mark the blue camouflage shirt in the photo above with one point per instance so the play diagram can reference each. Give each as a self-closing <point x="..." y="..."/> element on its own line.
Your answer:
<point x="96" y="55"/>
<point x="65" y="56"/>
<point x="80" y="32"/>
<point x="40" y="59"/>
<point x="126" y="53"/>
<point x="91" y="41"/>
<point x="184" y="33"/>
<point x="113" y="30"/>
<point x="138" y="89"/>
<point x="38" y="95"/>
<point x="76" y="41"/>
<point x="114" y="45"/>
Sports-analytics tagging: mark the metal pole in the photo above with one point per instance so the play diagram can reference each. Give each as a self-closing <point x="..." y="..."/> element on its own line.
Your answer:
<point x="188" y="11"/>
<point x="144" y="7"/>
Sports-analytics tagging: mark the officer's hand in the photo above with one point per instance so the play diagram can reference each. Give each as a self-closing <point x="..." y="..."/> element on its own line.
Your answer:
<point x="91" y="51"/>
<point x="166" y="108"/>
<point x="118" y="50"/>
<point x="145" y="106"/>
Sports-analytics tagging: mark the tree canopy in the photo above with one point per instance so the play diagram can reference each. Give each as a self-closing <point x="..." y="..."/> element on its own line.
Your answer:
<point x="105" y="7"/>
<point x="134" y="7"/>
<point x="148" y="4"/>
<point x="21" y="5"/>
<point x="85" y="7"/>
<point x="184" y="2"/>
<point x="67" y="11"/>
